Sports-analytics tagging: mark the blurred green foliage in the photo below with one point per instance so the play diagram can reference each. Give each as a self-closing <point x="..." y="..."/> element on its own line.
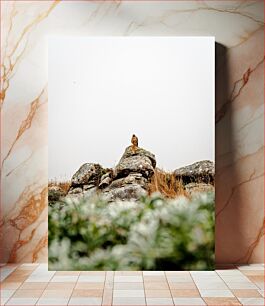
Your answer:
<point x="152" y="234"/>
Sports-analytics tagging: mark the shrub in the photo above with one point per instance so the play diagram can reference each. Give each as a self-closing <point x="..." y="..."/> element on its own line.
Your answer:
<point x="152" y="234"/>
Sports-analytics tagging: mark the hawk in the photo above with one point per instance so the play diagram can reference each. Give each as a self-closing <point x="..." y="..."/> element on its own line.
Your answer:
<point x="134" y="142"/>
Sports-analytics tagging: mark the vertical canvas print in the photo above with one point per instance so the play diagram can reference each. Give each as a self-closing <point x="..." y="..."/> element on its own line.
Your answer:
<point x="131" y="153"/>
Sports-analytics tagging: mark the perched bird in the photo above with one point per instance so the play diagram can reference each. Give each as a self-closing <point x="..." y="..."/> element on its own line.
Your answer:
<point x="134" y="142"/>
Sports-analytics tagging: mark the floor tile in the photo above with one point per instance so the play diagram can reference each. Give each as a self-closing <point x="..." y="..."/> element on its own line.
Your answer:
<point x="188" y="301"/>
<point x="129" y="286"/>
<point x="128" y="293"/>
<point x="28" y="266"/>
<point x="215" y="301"/>
<point x="6" y="271"/>
<point x="53" y="301"/>
<point x="212" y="285"/>
<point x="256" y="278"/>
<point x="107" y="298"/>
<point x="97" y="273"/>
<point x="28" y="293"/>
<point x="21" y="272"/>
<point x="261" y="292"/>
<point x="251" y="267"/>
<point x="7" y="293"/>
<point x="179" y="278"/>
<point x="40" y="286"/>
<point x="177" y="273"/>
<point x="128" y="273"/>
<point x="232" y="272"/>
<point x="38" y="279"/>
<point x="152" y="273"/>
<point x="128" y="279"/>
<point x="16" y="278"/>
<point x="68" y="273"/>
<point x="216" y="293"/>
<point x="109" y="285"/>
<point x="22" y="301"/>
<point x="56" y="294"/>
<point x="85" y="301"/>
<point x="156" y="285"/>
<point x="9" y="285"/>
<point x="64" y="279"/>
<point x="91" y="278"/>
<point x="154" y="278"/>
<point x="60" y="286"/>
<point x="157" y="293"/>
<point x="214" y="278"/>
<point x="253" y="272"/>
<point x="87" y="286"/>
<point x="251" y="301"/>
<point x="44" y="266"/>
<point x="235" y="278"/>
<point x="182" y="286"/>
<point x="3" y="300"/>
<point x="159" y="301"/>
<point x="202" y="273"/>
<point x="260" y="285"/>
<point x="123" y="301"/>
<point x="245" y="285"/>
<point x="246" y="293"/>
<point x="87" y="293"/>
<point x="182" y="293"/>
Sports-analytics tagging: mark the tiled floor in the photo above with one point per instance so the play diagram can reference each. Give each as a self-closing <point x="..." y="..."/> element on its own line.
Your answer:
<point x="33" y="284"/>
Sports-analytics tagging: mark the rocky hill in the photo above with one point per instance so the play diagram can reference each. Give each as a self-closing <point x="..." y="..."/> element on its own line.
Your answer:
<point x="131" y="178"/>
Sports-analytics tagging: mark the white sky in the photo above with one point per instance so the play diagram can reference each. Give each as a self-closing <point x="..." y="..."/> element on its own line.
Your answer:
<point x="104" y="89"/>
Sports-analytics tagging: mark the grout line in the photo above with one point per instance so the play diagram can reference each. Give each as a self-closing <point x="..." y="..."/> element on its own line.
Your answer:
<point x="102" y="296"/>
<point x="169" y="288"/>
<point x="73" y="288"/>
<point x="144" y="288"/>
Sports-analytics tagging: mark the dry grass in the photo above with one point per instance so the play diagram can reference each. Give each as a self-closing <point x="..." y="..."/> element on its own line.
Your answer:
<point x="167" y="184"/>
<point x="65" y="185"/>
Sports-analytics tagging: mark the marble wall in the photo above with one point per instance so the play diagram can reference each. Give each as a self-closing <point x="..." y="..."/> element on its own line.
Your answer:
<point x="238" y="27"/>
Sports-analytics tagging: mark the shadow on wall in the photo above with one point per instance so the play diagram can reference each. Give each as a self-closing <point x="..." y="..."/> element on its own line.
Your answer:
<point x="222" y="138"/>
<point x="225" y="147"/>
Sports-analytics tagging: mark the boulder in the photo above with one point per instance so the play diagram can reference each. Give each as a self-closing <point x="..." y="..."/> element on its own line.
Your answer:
<point x="75" y="190"/>
<point x="78" y="193"/>
<point x="125" y="192"/>
<point x="193" y="188"/>
<point x="131" y="176"/>
<point x="55" y="193"/>
<point x="87" y="174"/>
<point x="129" y="151"/>
<point x="138" y="161"/>
<point x="199" y="172"/>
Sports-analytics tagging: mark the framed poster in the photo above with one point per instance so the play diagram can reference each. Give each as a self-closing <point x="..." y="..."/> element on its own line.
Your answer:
<point x="131" y="153"/>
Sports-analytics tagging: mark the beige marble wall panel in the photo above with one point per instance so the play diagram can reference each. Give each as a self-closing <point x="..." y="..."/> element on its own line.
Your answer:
<point x="238" y="28"/>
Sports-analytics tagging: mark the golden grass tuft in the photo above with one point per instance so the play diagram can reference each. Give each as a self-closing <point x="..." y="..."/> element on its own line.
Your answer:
<point x="167" y="184"/>
<point x="65" y="185"/>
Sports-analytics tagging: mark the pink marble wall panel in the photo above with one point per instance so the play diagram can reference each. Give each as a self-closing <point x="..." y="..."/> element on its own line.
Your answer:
<point x="238" y="28"/>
